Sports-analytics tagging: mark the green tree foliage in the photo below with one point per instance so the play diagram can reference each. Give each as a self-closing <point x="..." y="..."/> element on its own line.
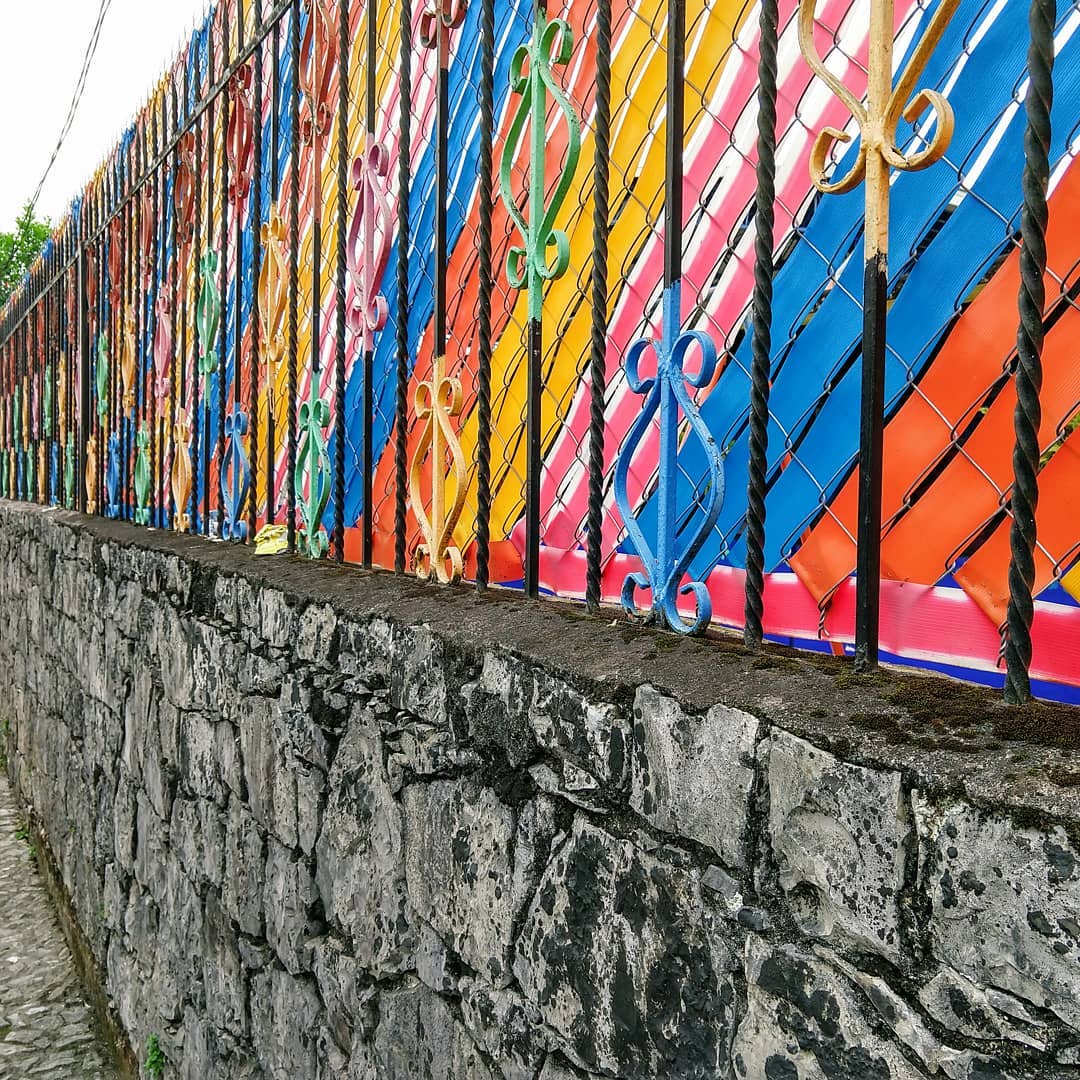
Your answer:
<point x="19" y="249"/>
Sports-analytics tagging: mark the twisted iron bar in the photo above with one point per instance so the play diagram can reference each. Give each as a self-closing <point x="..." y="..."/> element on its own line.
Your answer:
<point x="223" y="283"/>
<point x="761" y="344"/>
<point x="598" y="352"/>
<point x="487" y="283"/>
<point x="402" y="340"/>
<point x="203" y="514"/>
<point x="294" y="244"/>
<point x="342" y="229"/>
<point x="194" y="415"/>
<point x="1032" y="301"/>
<point x="256" y="272"/>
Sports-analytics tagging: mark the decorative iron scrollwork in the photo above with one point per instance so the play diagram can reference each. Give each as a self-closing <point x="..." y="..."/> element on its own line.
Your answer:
<point x="878" y="123"/>
<point x="528" y="265"/>
<point x="369" y="244"/>
<point x="451" y="13"/>
<point x="181" y="472"/>
<point x="235" y="487"/>
<point x="101" y="375"/>
<point x="273" y="294"/>
<point x="208" y="314"/>
<point x="667" y="557"/>
<point x="115" y="262"/>
<point x="69" y="471"/>
<point x="163" y="347"/>
<point x="184" y="193"/>
<point x="436" y="402"/>
<point x="318" y="61"/>
<point x="90" y="476"/>
<point x="241" y="135"/>
<point x="312" y="474"/>
<point x="127" y="361"/>
<point x="112" y="476"/>
<point x="142" y="476"/>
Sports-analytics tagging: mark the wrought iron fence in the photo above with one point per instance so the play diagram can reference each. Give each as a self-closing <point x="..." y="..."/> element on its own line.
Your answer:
<point x="567" y="297"/>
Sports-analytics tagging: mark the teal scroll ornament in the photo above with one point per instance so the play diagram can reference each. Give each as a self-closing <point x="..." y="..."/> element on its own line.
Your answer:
<point x="312" y="476"/>
<point x="531" y="77"/>
<point x="208" y="314"/>
<point x="69" y="472"/>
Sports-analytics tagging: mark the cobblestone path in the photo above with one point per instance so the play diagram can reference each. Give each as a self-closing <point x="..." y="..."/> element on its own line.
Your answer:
<point x="45" y="1027"/>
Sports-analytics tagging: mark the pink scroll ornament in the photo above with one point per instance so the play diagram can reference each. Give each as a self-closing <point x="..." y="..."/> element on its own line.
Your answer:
<point x="369" y="244"/>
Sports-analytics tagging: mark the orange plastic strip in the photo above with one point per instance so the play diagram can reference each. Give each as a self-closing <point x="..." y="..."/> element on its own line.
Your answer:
<point x="922" y="430"/>
<point x="968" y="492"/>
<point x="985" y="576"/>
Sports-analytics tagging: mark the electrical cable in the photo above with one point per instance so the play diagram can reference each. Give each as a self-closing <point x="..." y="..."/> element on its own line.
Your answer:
<point x="80" y="87"/>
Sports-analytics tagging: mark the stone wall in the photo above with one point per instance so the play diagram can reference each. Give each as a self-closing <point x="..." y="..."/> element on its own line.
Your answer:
<point x="320" y="823"/>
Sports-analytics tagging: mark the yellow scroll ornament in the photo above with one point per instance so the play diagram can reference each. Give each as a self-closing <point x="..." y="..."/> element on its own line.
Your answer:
<point x="91" y="475"/>
<point x="436" y="402"/>
<point x="181" y="471"/>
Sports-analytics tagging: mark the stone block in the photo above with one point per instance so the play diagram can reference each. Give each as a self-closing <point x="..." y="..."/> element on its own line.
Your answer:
<point x="595" y="736"/>
<point x="803" y="1020"/>
<point x="839" y="835"/>
<point x="286" y="1017"/>
<point x="1005" y="904"/>
<point x="289" y="895"/>
<point x="692" y="776"/>
<point x="360" y="856"/>
<point x="245" y="861"/>
<point x="628" y="962"/>
<point x="418" y="1038"/>
<point x="459" y="870"/>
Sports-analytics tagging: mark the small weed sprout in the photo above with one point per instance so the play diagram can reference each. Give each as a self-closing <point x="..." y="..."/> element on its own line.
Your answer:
<point x="155" y="1058"/>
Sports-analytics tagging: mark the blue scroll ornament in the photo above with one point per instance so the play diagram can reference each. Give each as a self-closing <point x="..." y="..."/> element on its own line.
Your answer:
<point x="235" y="489"/>
<point x="54" y="474"/>
<point x="112" y="477"/>
<point x="666" y="394"/>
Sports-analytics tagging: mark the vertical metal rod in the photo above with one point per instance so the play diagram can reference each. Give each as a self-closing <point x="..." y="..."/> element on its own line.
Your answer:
<point x="487" y="282"/>
<point x="294" y="246"/>
<point x="33" y="396"/>
<point x="1029" y="372"/>
<point x="137" y="298"/>
<point x="256" y="270"/>
<point x="875" y="302"/>
<point x="367" y="433"/>
<point x="342" y="237"/>
<point x="535" y="362"/>
<point x="761" y="343"/>
<point x="598" y="351"/>
<point x="196" y="414"/>
<point x="157" y="256"/>
<point x="177" y="322"/>
<point x="275" y="152"/>
<point x="401" y="403"/>
<point x="223" y="280"/>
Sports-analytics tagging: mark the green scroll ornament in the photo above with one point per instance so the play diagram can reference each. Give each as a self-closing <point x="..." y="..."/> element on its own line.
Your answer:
<point x="101" y="374"/>
<point x="312" y="476"/>
<point x="208" y="314"/>
<point x="142" y="476"/>
<point x="529" y="265"/>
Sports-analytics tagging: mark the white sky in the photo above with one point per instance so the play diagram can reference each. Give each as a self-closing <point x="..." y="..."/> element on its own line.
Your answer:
<point x="42" y="43"/>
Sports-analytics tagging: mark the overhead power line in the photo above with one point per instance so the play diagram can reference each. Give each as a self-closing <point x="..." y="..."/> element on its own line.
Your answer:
<point x="76" y="98"/>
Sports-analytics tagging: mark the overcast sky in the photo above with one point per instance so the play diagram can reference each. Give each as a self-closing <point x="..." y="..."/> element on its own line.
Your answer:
<point x="42" y="43"/>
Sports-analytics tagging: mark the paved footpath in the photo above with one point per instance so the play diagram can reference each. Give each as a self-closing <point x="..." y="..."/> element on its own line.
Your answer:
<point x="45" y="1026"/>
